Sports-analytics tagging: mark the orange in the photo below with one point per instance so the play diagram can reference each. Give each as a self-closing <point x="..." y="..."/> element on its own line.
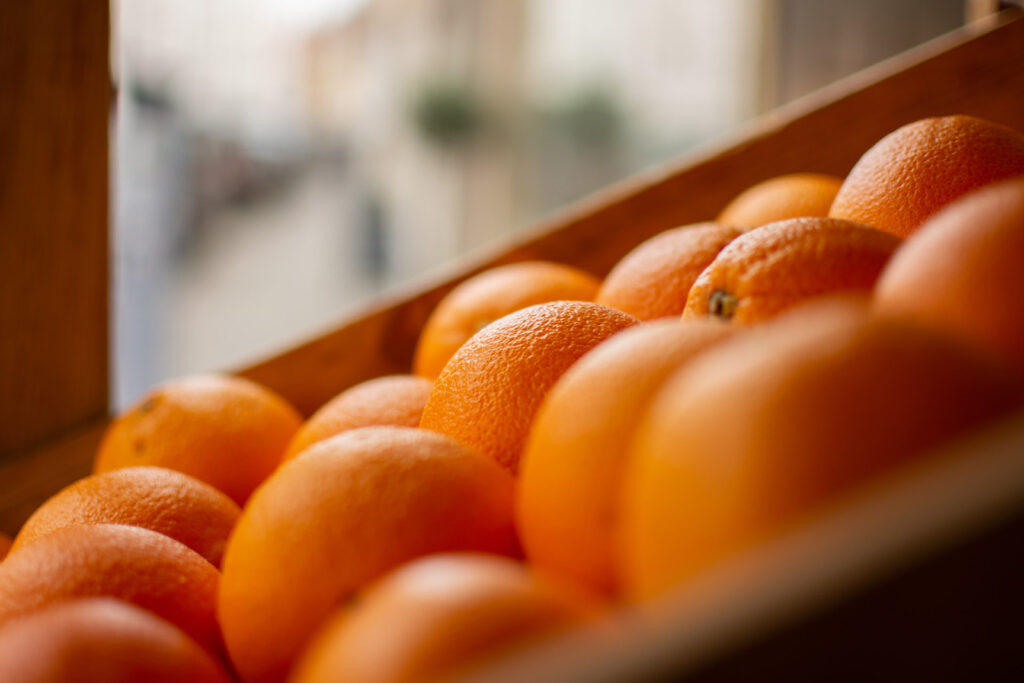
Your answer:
<point x="575" y="458"/>
<point x="99" y="640"/>
<point x="490" y="390"/>
<point x="433" y="618"/>
<point x="395" y="400"/>
<point x="226" y="431"/>
<point x="767" y="428"/>
<point x="798" y="195"/>
<point x="351" y="508"/>
<point x="962" y="271"/>
<point x="652" y="281"/>
<point x="132" y="564"/>
<point x="774" y="267"/>
<point x="918" y="169"/>
<point x="162" y="500"/>
<point x="5" y="545"/>
<point x="493" y="294"/>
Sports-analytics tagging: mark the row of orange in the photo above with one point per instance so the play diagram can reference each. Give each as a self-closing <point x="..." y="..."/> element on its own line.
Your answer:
<point x="581" y="424"/>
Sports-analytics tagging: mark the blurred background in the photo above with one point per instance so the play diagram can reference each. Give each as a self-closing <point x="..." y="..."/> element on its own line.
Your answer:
<point x="279" y="163"/>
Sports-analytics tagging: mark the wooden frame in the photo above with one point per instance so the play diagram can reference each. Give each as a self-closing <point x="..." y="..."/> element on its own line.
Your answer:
<point x="54" y="57"/>
<point x="976" y="71"/>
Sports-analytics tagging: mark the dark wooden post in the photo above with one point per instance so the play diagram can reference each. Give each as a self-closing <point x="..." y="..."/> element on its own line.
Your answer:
<point x="54" y="118"/>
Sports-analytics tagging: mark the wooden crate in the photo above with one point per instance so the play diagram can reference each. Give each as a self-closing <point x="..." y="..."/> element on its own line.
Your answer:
<point x="934" y="593"/>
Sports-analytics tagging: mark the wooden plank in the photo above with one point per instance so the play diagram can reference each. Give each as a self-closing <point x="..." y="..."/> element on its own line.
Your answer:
<point x="825" y="132"/>
<point x="53" y="218"/>
<point x="954" y="617"/>
<point x="975" y="10"/>
<point x="29" y="478"/>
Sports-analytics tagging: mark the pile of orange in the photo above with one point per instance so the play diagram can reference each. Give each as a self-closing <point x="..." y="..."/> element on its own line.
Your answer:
<point x="561" y="446"/>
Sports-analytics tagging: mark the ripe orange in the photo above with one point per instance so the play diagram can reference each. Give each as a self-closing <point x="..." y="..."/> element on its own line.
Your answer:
<point x="766" y="428"/>
<point x="351" y="508"/>
<point x="962" y="271"/>
<point x="652" y="281"/>
<point x="575" y="458"/>
<point x="132" y="564"/>
<point x="155" y="498"/>
<point x="918" y="169"/>
<point x="5" y="545"/>
<point x="493" y="294"/>
<point x="433" y="618"/>
<point x="99" y="640"/>
<point x="490" y="390"/>
<point x="226" y="431"/>
<point x="395" y="400"/>
<point x="774" y="267"/>
<point x="798" y="195"/>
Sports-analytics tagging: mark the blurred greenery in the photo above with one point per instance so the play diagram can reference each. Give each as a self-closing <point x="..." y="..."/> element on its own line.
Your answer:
<point x="447" y="112"/>
<point x="591" y="118"/>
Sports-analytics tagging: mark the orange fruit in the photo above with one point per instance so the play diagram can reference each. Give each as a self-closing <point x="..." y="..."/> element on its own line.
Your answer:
<point x="493" y="294"/>
<point x="395" y="400"/>
<point x="99" y="640"/>
<point x="798" y="195"/>
<point x="5" y="545"/>
<point x="433" y="618"/>
<point x="351" y="508"/>
<point x="772" y="268"/>
<point x="155" y="498"/>
<point x="490" y="390"/>
<point x="226" y="431"/>
<point x="918" y="169"/>
<point x="767" y="428"/>
<point x="652" y="280"/>
<point x="961" y="271"/>
<point x="132" y="564"/>
<point x="575" y="458"/>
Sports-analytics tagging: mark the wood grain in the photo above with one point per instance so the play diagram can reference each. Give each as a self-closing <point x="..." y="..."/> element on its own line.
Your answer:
<point x="29" y="478"/>
<point x="975" y="10"/>
<point x="825" y="132"/>
<point x="53" y="219"/>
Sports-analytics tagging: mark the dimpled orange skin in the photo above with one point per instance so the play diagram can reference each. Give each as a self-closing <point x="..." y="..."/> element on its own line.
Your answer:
<point x="576" y="457"/>
<point x="652" y="280"/>
<point x="491" y="389"/>
<point x="916" y="170"/>
<point x="155" y="498"/>
<point x="100" y="640"/>
<point x="132" y="564"/>
<point x="395" y="400"/>
<point x="776" y="266"/>
<point x="490" y="295"/>
<point x="962" y="271"/>
<point x="434" y="617"/>
<point x="226" y="431"/>
<point x="763" y="430"/>
<point x="353" y="507"/>
<point x="798" y="195"/>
